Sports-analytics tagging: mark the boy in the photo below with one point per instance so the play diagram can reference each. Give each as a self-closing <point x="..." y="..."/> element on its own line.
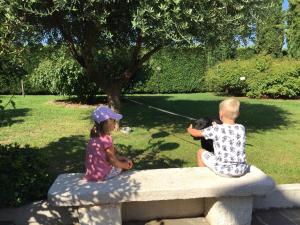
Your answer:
<point x="229" y="139"/>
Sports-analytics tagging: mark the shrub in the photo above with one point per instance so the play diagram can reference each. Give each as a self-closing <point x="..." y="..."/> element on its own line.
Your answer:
<point x="230" y="77"/>
<point x="11" y="74"/>
<point x="172" y="70"/>
<point x="24" y="175"/>
<point x="264" y="77"/>
<point x="60" y="74"/>
<point x="245" y="53"/>
<point x="281" y="80"/>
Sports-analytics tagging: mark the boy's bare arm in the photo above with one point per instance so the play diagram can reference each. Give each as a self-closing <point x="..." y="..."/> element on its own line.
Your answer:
<point x="194" y="132"/>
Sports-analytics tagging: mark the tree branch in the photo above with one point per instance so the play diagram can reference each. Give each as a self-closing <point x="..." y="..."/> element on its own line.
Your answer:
<point x="150" y="53"/>
<point x="137" y="48"/>
<point x="128" y="73"/>
<point x="68" y="37"/>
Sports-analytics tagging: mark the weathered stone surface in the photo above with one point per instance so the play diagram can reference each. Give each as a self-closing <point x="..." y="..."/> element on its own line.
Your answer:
<point x="155" y="185"/>
<point x="229" y="210"/>
<point x="100" y="215"/>
<point x="283" y="196"/>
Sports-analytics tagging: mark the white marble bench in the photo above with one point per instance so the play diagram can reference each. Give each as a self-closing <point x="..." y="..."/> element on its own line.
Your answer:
<point x="227" y="201"/>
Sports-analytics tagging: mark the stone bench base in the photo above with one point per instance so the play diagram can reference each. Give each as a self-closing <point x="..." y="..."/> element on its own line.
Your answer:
<point x="218" y="211"/>
<point x="226" y="201"/>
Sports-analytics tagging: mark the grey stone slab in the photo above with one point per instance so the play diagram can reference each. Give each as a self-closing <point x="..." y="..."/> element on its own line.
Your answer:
<point x="292" y="214"/>
<point x="184" y="221"/>
<point x="7" y="223"/>
<point x="270" y="217"/>
<point x="155" y="185"/>
<point x="256" y="221"/>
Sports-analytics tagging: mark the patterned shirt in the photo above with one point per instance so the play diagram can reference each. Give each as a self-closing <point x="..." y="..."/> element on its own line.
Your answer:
<point x="229" y="148"/>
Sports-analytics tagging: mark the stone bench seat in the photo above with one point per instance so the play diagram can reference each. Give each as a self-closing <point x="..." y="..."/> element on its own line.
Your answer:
<point x="227" y="200"/>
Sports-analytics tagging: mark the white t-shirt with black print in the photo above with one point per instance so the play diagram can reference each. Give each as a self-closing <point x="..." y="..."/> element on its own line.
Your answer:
<point x="229" y="148"/>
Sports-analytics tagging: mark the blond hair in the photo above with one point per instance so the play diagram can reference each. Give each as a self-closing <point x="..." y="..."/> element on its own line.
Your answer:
<point x="230" y="108"/>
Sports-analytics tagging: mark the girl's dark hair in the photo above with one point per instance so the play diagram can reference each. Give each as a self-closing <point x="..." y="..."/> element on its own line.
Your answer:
<point x="99" y="129"/>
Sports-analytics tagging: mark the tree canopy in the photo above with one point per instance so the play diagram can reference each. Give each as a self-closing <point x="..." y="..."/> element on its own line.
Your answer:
<point x="270" y="30"/>
<point x="111" y="39"/>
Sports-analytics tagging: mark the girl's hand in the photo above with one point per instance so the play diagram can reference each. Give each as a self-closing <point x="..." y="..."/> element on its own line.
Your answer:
<point x="130" y="164"/>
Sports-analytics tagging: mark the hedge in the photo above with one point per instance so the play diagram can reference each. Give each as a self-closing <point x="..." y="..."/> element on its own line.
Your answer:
<point x="179" y="70"/>
<point x="257" y="77"/>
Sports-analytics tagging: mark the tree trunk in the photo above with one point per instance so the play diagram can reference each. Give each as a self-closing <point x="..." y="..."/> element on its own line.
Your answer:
<point x="114" y="99"/>
<point x="22" y="88"/>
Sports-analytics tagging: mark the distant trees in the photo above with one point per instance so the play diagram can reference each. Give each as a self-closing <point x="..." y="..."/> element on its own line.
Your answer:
<point x="293" y="33"/>
<point x="270" y="30"/>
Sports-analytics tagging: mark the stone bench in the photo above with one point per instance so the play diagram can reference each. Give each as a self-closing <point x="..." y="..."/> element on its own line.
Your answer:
<point x="226" y="201"/>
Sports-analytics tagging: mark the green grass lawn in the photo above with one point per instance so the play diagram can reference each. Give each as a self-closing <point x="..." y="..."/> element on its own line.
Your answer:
<point x="158" y="140"/>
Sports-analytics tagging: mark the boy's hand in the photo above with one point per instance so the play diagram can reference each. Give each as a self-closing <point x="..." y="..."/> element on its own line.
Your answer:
<point x="194" y="132"/>
<point x="189" y="129"/>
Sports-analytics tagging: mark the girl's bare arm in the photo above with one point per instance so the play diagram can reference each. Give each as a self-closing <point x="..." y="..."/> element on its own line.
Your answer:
<point x="113" y="159"/>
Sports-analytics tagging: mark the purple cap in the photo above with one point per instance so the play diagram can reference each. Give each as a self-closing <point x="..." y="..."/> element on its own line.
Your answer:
<point x="103" y="113"/>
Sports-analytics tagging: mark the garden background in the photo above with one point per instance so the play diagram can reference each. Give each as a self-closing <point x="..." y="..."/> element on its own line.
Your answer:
<point x="53" y="74"/>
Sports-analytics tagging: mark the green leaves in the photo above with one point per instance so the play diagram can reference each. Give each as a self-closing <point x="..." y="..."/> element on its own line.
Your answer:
<point x="263" y="76"/>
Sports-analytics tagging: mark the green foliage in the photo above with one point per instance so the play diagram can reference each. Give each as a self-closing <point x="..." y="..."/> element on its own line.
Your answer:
<point x="245" y="53"/>
<point x="91" y="27"/>
<point x="172" y="70"/>
<point x="24" y="175"/>
<point x="11" y="74"/>
<point x="257" y="77"/>
<point x="269" y="36"/>
<point x="60" y="74"/>
<point x="293" y="33"/>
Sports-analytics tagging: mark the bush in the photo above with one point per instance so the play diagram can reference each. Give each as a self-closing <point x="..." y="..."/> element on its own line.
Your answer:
<point x="60" y="74"/>
<point x="281" y="80"/>
<point x="24" y="175"/>
<point x="229" y="77"/>
<point x="245" y="53"/>
<point x="259" y="76"/>
<point x="11" y="74"/>
<point x="172" y="70"/>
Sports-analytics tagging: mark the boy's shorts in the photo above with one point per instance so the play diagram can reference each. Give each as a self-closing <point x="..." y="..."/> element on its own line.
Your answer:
<point x="210" y="160"/>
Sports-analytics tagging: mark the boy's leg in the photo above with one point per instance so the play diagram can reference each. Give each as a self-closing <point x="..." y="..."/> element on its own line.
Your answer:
<point x="199" y="158"/>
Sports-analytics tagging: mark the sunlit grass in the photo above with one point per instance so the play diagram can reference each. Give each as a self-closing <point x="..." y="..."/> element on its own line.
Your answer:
<point x="158" y="140"/>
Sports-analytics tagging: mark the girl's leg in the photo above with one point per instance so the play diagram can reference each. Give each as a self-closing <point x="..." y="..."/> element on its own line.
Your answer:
<point x="199" y="158"/>
<point x="113" y="173"/>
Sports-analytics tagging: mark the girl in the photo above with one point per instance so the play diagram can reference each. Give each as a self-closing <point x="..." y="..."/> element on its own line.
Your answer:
<point x="101" y="160"/>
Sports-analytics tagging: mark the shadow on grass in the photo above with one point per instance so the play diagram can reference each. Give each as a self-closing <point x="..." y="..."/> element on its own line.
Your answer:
<point x="152" y="156"/>
<point x="255" y="117"/>
<point x="67" y="155"/>
<point x="9" y="117"/>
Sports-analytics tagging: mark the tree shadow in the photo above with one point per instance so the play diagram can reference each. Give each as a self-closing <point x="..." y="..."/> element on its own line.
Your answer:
<point x="151" y="157"/>
<point x="66" y="155"/>
<point x="255" y="117"/>
<point x="9" y="117"/>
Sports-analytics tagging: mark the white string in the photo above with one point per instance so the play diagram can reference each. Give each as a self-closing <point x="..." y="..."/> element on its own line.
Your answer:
<point x="161" y="110"/>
